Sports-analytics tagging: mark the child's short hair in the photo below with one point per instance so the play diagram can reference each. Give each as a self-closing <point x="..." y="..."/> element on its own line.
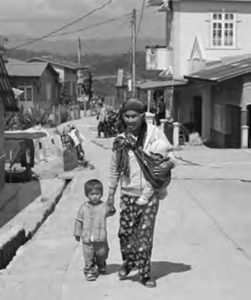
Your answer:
<point x="93" y="184"/>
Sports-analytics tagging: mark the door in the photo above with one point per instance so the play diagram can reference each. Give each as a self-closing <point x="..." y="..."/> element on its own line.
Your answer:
<point x="234" y="126"/>
<point x="197" y="113"/>
<point x="249" y="125"/>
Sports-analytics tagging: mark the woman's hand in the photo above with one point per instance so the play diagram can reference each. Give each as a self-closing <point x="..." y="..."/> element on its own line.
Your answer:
<point x="110" y="202"/>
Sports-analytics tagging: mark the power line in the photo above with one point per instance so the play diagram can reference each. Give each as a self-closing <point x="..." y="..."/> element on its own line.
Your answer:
<point x="141" y="15"/>
<point x="92" y="25"/>
<point x="62" y="27"/>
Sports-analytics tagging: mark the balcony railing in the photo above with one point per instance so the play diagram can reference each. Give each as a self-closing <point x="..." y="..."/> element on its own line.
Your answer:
<point x="158" y="58"/>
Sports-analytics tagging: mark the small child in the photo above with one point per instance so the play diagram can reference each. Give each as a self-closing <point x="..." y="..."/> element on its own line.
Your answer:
<point x="90" y="226"/>
<point x="159" y="150"/>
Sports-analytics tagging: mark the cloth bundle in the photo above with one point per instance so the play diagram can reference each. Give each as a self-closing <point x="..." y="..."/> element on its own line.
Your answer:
<point x="146" y="162"/>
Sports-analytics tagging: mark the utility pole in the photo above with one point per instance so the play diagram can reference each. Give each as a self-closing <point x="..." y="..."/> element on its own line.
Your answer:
<point x="80" y="76"/>
<point x="79" y="51"/>
<point x="134" y="53"/>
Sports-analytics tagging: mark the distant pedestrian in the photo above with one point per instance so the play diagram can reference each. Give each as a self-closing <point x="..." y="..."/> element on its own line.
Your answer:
<point x="102" y="118"/>
<point x="161" y="110"/>
<point x="90" y="227"/>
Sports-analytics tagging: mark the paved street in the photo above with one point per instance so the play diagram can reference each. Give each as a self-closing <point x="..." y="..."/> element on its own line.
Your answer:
<point x="202" y="247"/>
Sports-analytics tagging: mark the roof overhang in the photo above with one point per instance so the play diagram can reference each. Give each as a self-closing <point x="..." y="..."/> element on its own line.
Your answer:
<point x="222" y="72"/>
<point x="152" y="84"/>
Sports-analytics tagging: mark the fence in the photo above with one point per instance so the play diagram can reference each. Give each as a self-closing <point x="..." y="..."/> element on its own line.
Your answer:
<point x="65" y="112"/>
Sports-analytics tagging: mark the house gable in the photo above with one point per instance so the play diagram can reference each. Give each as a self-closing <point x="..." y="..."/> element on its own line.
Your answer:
<point x="197" y="52"/>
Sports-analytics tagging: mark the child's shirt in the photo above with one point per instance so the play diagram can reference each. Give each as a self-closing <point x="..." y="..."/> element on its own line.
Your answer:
<point x="90" y="223"/>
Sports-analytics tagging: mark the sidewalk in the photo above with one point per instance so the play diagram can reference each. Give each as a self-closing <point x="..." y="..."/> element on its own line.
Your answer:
<point x="202" y="236"/>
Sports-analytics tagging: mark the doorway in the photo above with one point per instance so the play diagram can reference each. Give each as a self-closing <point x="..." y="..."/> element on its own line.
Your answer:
<point x="197" y="113"/>
<point x="249" y="125"/>
<point x="234" y="126"/>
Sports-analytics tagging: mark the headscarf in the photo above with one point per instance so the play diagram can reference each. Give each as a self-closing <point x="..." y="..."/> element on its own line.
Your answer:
<point x="133" y="104"/>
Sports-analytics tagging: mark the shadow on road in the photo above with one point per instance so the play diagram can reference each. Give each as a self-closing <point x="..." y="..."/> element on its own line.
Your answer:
<point x="164" y="268"/>
<point x="159" y="269"/>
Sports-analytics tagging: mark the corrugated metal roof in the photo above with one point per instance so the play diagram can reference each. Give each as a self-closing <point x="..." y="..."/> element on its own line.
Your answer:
<point x="24" y="69"/>
<point x="6" y="92"/>
<point x="223" y="72"/>
<point x="63" y="64"/>
<point x="151" y="84"/>
<point x="161" y="2"/>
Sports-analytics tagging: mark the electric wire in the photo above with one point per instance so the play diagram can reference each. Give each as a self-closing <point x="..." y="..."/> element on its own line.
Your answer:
<point x="141" y="15"/>
<point x="62" y="27"/>
<point x="92" y="25"/>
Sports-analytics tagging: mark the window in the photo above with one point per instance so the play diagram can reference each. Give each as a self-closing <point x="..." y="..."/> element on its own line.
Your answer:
<point x="223" y="30"/>
<point x="151" y="59"/>
<point x="27" y="95"/>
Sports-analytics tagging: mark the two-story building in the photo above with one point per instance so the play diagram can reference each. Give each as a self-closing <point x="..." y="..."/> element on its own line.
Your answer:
<point x="69" y="74"/>
<point x="206" y="43"/>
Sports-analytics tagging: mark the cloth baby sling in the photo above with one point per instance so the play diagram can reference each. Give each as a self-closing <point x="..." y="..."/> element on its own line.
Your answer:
<point x="146" y="162"/>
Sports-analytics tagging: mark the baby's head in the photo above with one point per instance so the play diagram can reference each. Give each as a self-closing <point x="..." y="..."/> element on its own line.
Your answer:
<point x="159" y="149"/>
<point x="94" y="190"/>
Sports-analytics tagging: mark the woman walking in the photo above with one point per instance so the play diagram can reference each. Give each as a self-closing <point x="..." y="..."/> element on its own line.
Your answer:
<point x="136" y="221"/>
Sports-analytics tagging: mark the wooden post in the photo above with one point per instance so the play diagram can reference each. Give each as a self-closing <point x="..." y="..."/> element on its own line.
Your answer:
<point x="54" y="114"/>
<point x="59" y="114"/>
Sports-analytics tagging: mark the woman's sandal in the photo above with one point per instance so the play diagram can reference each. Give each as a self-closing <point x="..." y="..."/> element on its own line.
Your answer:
<point x="149" y="282"/>
<point x="123" y="271"/>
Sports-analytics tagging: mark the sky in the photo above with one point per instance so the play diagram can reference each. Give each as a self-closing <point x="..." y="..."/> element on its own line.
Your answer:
<point x="38" y="17"/>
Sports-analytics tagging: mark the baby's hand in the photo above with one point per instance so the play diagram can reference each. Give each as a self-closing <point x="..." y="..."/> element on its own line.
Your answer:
<point x="141" y="201"/>
<point x="110" y="210"/>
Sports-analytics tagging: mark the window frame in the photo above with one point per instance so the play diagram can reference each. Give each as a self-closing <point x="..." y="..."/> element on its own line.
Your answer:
<point x="24" y="88"/>
<point x="223" y="21"/>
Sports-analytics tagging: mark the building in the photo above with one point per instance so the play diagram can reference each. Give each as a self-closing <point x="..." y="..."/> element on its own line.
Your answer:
<point x="70" y="76"/>
<point x="38" y="80"/>
<point x="207" y="37"/>
<point x="7" y="103"/>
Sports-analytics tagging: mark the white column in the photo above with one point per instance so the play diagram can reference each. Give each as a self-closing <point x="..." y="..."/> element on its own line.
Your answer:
<point x="162" y="124"/>
<point x="176" y="130"/>
<point x="149" y="94"/>
<point x="149" y="117"/>
<point x="244" y="136"/>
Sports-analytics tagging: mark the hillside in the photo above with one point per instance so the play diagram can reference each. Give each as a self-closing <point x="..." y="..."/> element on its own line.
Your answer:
<point x="90" y="46"/>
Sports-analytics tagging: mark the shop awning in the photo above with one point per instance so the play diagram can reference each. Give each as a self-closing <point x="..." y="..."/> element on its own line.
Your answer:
<point x="223" y="71"/>
<point x="152" y="84"/>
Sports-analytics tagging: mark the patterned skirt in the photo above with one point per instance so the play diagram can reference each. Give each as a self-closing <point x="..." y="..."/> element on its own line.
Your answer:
<point x="136" y="233"/>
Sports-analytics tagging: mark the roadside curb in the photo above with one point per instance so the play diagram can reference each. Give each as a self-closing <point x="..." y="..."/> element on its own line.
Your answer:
<point x="25" y="224"/>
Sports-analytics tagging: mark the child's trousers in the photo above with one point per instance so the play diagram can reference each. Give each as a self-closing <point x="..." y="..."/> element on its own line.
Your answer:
<point x="95" y="254"/>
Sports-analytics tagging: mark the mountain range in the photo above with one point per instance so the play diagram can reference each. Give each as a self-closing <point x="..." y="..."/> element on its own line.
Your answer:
<point x="111" y="46"/>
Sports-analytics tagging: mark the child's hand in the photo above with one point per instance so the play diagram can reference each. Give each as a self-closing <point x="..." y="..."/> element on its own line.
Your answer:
<point x="77" y="238"/>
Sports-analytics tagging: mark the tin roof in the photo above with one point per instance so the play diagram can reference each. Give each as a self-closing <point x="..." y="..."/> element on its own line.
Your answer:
<point x="24" y="69"/>
<point x="162" y="2"/>
<point x="224" y="71"/>
<point x="62" y="64"/>
<point x="6" y="92"/>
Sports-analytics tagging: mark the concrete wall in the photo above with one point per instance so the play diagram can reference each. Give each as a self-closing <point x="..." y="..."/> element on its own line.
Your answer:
<point x="2" y="157"/>
<point x="192" y="19"/>
<point x="71" y="77"/>
<point x="49" y="88"/>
